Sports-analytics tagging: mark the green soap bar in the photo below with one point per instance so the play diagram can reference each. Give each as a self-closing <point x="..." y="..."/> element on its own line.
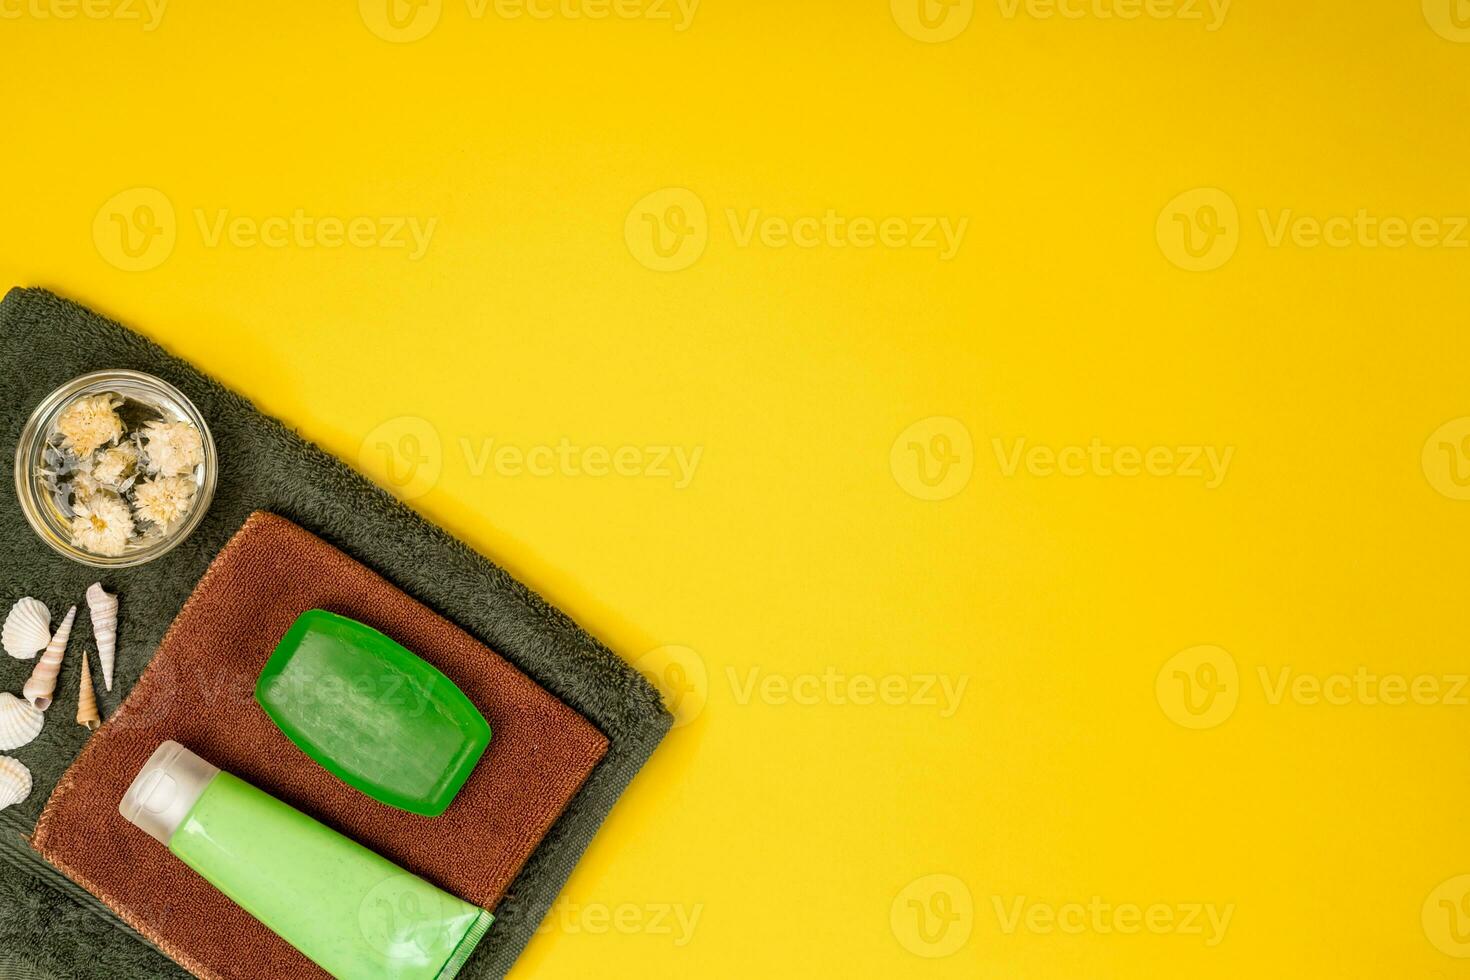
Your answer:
<point x="372" y="713"/>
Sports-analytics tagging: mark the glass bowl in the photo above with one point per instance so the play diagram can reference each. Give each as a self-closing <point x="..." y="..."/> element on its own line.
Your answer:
<point x="144" y="397"/>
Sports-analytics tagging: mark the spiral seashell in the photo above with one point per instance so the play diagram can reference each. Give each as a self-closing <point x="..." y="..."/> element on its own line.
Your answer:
<point x="87" y="715"/>
<point x="42" y="685"/>
<point x="104" y="627"/>
<point x="27" y="629"/>
<point x="15" y="781"/>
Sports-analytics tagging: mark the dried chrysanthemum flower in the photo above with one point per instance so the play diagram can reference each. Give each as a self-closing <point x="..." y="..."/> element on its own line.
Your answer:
<point x="164" y="500"/>
<point x="89" y="423"/>
<point x="172" y="448"/>
<point x="115" y="464"/>
<point x="84" y="485"/>
<point x="103" y="525"/>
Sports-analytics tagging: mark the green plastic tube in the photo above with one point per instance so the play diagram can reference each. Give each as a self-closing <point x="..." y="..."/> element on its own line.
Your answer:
<point x="351" y="911"/>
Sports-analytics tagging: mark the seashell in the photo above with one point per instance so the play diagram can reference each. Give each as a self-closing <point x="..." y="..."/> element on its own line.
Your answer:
<point x="87" y="715"/>
<point x="15" y="781"/>
<point x="20" y="723"/>
<point x="42" y="685"/>
<point x="104" y="628"/>
<point x="27" y="628"/>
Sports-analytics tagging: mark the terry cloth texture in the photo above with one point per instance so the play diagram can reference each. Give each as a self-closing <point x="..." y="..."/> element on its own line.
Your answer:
<point x="199" y="691"/>
<point x="52" y="928"/>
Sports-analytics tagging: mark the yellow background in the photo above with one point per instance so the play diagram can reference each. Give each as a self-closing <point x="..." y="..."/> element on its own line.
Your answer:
<point x="793" y="830"/>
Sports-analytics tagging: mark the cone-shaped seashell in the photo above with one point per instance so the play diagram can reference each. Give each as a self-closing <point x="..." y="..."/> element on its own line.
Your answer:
<point x="15" y="781"/>
<point x="104" y="628"/>
<point x="27" y="628"/>
<point x="20" y="723"/>
<point x="87" y="715"/>
<point x="42" y="685"/>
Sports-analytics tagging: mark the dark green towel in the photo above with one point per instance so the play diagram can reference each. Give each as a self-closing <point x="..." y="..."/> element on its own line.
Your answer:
<point x="50" y="927"/>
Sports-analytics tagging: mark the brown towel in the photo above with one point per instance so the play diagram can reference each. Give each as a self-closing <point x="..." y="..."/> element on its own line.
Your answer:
<point x="199" y="690"/>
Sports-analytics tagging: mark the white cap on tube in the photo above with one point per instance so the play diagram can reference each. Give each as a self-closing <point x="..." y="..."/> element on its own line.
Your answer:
<point x="165" y="790"/>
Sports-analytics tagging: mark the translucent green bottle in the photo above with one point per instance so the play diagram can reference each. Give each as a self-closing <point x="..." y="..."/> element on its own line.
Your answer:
<point x="352" y="912"/>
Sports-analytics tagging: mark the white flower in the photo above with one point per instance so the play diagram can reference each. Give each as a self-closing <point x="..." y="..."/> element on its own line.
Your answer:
<point x="83" y="485"/>
<point x="113" y="465"/>
<point x="90" y="423"/>
<point x="164" y="500"/>
<point x="172" y="448"/>
<point x="103" y="525"/>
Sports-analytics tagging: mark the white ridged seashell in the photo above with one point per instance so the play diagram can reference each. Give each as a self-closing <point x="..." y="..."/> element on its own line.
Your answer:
<point x="104" y="628"/>
<point x="41" y="687"/>
<point x="27" y="628"/>
<point x="20" y="722"/>
<point x="15" y="781"/>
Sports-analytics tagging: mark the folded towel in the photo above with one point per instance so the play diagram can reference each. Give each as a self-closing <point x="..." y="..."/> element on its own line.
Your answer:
<point x="52" y="928"/>
<point x="199" y="690"/>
